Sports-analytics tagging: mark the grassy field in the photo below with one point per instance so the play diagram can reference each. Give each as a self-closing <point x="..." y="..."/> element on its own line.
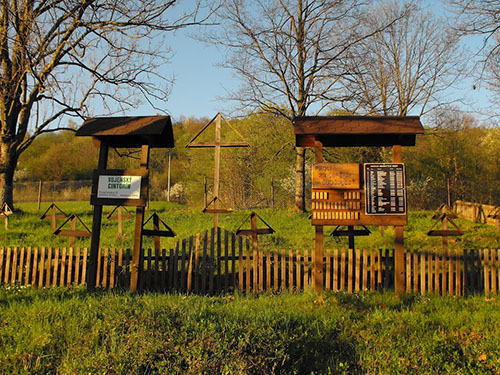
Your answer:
<point x="71" y="331"/>
<point x="293" y="230"/>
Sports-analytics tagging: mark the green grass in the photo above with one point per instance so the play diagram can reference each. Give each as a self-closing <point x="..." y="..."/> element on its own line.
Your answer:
<point x="293" y="230"/>
<point x="71" y="331"/>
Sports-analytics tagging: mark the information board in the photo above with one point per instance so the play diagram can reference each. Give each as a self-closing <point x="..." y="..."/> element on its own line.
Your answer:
<point x="385" y="189"/>
<point x="336" y="176"/>
<point x="121" y="187"/>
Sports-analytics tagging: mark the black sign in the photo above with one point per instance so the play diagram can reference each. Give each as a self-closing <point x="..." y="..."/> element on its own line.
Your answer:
<point x="385" y="189"/>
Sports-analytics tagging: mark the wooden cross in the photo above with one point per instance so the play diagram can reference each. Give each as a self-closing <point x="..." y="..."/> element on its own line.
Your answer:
<point x="445" y="216"/>
<point x="156" y="232"/>
<point x="217" y="145"/>
<point x="73" y="232"/>
<point x="351" y="233"/>
<point x="53" y="216"/>
<point x="119" y="216"/>
<point x="254" y="232"/>
<point x="6" y="211"/>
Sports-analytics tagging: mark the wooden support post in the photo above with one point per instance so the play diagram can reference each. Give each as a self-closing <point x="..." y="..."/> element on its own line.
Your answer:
<point x="218" y="124"/>
<point x="53" y="217"/>
<point x="39" y="194"/>
<point x="444" y="239"/>
<point x="73" y="228"/>
<point x="350" y="229"/>
<point x="317" y="270"/>
<point x="399" y="251"/>
<point x="96" y="224"/>
<point x="255" y="249"/>
<point x="156" y="227"/>
<point x="136" y="270"/>
<point x="119" y="215"/>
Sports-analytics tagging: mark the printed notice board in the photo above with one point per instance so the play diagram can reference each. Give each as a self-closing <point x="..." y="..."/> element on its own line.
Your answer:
<point x="120" y="187"/>
<point x="385" y="189"/>
<point x="125" y="187"/>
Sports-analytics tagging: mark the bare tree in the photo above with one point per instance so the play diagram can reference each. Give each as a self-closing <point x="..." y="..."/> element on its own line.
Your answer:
<point x="67" y="57"/>
<point x="288" y="55"/>
<point x="481" y="18"/>
<point x="407" y="67"/>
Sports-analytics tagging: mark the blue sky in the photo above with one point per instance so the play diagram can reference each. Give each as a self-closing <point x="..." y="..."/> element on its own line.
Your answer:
<point x="200" y="83"/>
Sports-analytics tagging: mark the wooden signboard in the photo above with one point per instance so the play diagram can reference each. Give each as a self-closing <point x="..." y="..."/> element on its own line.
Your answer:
<point x="338" y="202"/>
<point x="385" y="189"/>
<point x="120" y="187"/>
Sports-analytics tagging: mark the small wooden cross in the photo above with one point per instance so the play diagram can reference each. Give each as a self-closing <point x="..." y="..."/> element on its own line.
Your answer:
<point x="72" y="233"/>
<point x="6" y="211"/>
<point x="119" y="216"/>
<point x="53" y="216"/>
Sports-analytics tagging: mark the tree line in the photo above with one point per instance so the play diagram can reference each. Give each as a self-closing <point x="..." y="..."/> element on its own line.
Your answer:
<point x="455" y="150"/>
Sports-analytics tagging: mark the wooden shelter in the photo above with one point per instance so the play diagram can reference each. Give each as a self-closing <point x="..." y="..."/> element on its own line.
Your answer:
<point x="339" y="196"/>
<point x="123" y="187"/>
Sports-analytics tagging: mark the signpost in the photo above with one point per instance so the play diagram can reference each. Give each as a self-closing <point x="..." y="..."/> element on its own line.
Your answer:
<point x="123" y="187"/>
<point x="354" y="194"/>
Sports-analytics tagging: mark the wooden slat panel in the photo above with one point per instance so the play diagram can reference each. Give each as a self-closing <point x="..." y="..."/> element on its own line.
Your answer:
<point x="112" y="263"/>
<point x="486" y="267"/>
<point x="342" y="269"/>
<point x="416" y="257"/>
<point x="357" y="271"/>
<point x="21" y="266"/>
<point x="307" y="282"/>
<point x="84" y="266"/>
<point x="493" y="262"/>
<point x="248" y="269"/>
<point x="13" y="272"/>
<point x="27" y="274"/>
<point x="241" y="281"/>
<point x="205" y="262"/>
<point x="34" y="271"/>
<point x="335" y="270"/>
<point x="2" y="256"/>
<point x="70" y="266"/>
<point x="78" y="262"/>
<point x="423" y="273"/>
<point x="298" y="273"/>
<point x="328" y="273"/>
<point x="379" y="268"/>
<point x="408" y="271"/>
<point x="290" y="271"/>
<point x="268" y="271"/>
<point x="276" y="270"/>
<point x="48" y="266"/>
<point x="350" y="272"/>
<point x="364" y="254"/>
<point x="62" y="266"/>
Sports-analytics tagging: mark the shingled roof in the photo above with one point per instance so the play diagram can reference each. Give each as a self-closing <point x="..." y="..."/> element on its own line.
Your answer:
<point x="155" y="131"/>
<point x="347" y="131"/>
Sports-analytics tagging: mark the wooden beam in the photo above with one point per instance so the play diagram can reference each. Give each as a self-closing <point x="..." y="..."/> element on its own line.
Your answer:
<point x="399" y="251"/>
<point x="137" y="266"/>
<point x="96" y="224"/>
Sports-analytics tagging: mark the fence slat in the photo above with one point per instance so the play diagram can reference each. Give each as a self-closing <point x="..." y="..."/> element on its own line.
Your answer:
<point x="112" y="261"/>
<point x="62" y="267"/>
<point x="416" y="257"/>
<point x="70" y="266"/>
<point x="298" y="273"/>
<point x="84" y="266"/>
<point x="451" y="272"/>
<point x="78" y="262"/>
<point x="493" y="263"/>
<point x="49" y="267"/>
<point x="27" y="268"/>
<point x="226" y="262"/>
<point x="233" y="261"/>
<point x="290" y="271"/>
<point x="268" y="271"/>
<point x="248" y="273"/>
<point x="241" y="281"/>
<point x="2" y="254"/>
<point x="21" y="267"/>
<point x="423" y="272"/>
<point x="13" y="273"/>
<point x="486" y="267"/>
<point x="328" y="273"/>
<point x="350" y="272"/>
<point x="364" y="255"/>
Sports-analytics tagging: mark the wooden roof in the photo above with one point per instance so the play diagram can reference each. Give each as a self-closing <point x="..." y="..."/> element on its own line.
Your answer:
<point x="352" y="131"/>
<point x="155" y="131"/>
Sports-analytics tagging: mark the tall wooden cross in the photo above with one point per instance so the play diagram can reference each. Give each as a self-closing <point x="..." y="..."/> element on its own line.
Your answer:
<point x="217" y="145"/>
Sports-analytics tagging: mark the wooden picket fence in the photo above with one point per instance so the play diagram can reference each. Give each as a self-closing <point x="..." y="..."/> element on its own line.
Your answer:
<point x="216" y="262"/>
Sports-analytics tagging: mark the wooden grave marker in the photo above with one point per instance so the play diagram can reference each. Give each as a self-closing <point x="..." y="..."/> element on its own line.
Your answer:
<point x="254" y="232"/>
<point x="156" y="232"/>
<point x="5" y="212"/>
<point x="120" y="216"/>
<point x="444" y="215"/>
<point x="217" y="145"/>
<point x="351" y="233"/>
<point x="72" y="233"/>
<point x="53" y="216"/>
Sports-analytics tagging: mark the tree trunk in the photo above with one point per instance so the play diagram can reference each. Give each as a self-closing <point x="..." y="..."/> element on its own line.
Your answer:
<point x="300" y="181"/>
<point x="8" y="163"/>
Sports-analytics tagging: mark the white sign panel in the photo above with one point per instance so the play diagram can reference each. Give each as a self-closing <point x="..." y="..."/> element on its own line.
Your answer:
<point x="120" y="187"/>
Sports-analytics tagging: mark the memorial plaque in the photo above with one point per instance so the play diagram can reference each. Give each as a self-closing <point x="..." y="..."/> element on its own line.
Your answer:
<point x="336" y="176"/>
<point x="385" y="189"/>
<point x="120" y="187"/>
